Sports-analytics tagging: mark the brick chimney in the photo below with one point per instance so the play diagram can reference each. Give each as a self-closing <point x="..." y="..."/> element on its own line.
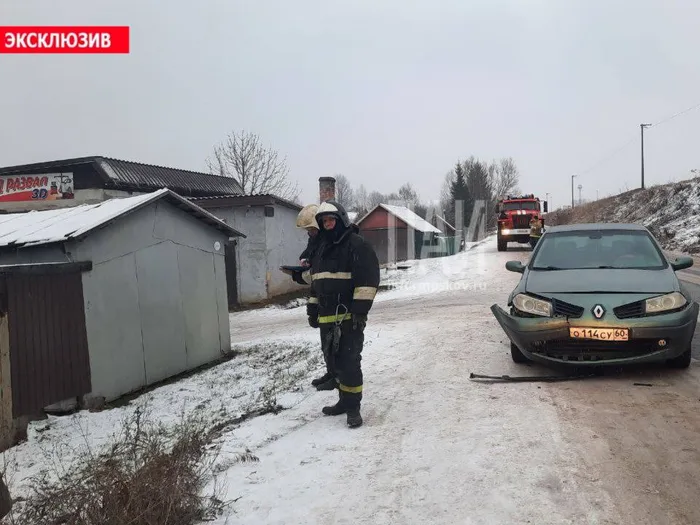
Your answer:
<point x="326" y="188"/>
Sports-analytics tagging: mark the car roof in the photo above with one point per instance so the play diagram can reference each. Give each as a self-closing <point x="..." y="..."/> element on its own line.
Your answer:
<point x="594" y="226"/>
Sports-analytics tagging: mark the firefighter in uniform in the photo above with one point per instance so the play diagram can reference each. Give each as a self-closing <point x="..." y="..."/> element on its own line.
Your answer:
<point x="344" y="280"/>
<point x="536" y="228"/>
<point x="307" y="220"/>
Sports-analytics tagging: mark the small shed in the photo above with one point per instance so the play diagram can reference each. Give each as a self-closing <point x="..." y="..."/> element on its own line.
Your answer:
<point x="272" y="240"/>
<point x="97" y="301"/>
<point x="398" y="234"/>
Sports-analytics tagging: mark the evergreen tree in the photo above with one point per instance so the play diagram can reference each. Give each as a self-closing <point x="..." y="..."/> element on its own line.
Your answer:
<point x="459" y="191"/>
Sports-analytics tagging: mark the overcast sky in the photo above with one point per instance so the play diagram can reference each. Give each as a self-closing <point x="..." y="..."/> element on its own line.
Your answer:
<point x="383" y="91"/>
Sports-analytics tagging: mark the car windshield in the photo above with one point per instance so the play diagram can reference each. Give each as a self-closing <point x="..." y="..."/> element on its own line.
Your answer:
<point x="598" y="249"/>
<point x="511" y="206"/>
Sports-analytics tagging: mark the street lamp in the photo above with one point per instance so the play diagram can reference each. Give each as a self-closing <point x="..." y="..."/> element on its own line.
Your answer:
<point x="572" y="190"/>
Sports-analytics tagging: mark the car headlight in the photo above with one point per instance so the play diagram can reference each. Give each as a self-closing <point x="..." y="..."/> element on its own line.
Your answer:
<point x="531" y="305"/>
<point x="663" y="303"/>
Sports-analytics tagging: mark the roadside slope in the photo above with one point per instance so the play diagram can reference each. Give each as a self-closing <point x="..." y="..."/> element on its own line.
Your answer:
<point x="670" y="211"/>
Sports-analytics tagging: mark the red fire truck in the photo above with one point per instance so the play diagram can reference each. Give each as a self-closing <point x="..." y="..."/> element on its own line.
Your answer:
<point x="515" y="220"/>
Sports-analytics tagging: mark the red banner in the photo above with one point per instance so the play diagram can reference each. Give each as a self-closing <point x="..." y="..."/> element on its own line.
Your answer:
<point x="64" y="39"/>
<point x="46" y="187"/>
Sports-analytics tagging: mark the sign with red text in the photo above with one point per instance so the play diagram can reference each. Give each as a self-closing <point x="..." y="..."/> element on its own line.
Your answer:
<point x="64" y="39"/>
<point x="45" y="187"/>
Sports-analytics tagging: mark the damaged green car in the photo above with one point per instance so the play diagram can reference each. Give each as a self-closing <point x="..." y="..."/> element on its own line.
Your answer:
<point x="599" y="294"/>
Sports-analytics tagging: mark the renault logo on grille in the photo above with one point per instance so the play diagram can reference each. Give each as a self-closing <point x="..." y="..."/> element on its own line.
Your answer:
<point x="598" y="311"/>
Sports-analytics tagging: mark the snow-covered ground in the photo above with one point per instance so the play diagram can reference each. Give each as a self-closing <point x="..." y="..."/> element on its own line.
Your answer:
<point x="435" y="447"/>
<point x="277" y="355"/>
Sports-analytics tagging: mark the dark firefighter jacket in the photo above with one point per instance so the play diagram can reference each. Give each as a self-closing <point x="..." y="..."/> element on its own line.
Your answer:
<point x="311" y="247"/>
<point x="344" y="276"/>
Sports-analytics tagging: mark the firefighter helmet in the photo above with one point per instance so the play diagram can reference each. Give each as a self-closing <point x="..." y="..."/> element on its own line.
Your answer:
<point x="307" y="217"/>
<point x="334" y="208"/>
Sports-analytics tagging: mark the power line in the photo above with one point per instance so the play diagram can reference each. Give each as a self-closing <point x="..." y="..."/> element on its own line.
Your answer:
<point x="609" y="156"/>
<point x="633" y="138"/>
<point x="676" y="115"/>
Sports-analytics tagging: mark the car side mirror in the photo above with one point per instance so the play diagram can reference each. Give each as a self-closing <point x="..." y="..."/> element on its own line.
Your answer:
<point x="681" y="263"/>
<point x="544" y="206"/>
<point x="515" y="266"/>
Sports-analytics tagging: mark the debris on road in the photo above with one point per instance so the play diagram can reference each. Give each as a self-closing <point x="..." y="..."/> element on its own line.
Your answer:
<point x="522" y="379"/>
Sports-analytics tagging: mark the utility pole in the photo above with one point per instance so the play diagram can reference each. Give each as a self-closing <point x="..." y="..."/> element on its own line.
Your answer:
<point x="572" y="190"/>
<point x="579" y="194"/>
<point x="549" y="204"/>
<point x="642" y="126"/>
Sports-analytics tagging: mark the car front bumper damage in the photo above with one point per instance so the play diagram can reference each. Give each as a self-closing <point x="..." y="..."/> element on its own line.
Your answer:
<point x="546" y="339"/>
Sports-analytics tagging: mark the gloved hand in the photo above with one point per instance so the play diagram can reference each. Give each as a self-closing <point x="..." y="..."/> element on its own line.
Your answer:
<point x="359" y="321"/>
<point x="313" y="322"/>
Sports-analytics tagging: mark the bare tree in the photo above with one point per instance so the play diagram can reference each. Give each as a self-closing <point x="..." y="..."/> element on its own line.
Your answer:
<point x="258" y="169"/>
<point x="343" y="191"/>
<point x="375" y="198"/>
<point x="505" y="178"/>
<point x="361" y="201"/>
<point x="408" y="194"/>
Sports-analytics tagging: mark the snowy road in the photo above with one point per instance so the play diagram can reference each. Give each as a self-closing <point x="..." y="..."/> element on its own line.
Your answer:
<point x="439" y="448"/>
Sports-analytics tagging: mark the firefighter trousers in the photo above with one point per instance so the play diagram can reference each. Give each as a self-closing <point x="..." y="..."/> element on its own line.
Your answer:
<point x="344" y="354"/>
<point x="330" y="369"/>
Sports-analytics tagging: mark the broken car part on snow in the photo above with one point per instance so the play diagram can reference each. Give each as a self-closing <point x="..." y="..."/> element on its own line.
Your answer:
<point x="523" y="379"/>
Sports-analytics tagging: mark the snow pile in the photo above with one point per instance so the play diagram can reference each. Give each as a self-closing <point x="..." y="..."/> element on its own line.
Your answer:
<point x="671" y="212"/>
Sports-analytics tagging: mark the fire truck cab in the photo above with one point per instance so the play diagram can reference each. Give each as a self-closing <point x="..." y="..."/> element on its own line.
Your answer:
<point x="516" y="217"/>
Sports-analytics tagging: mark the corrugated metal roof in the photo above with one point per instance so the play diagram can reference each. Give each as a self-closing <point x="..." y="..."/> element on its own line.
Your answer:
<point x="137" y="176"/>
<point x="260" y="199"/>
<point x="151" y="177"/>
<point x="51" y="226"/>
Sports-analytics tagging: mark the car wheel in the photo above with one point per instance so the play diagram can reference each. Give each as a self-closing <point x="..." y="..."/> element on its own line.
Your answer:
<point x="517" y="355"/>
<point x="682" y="361"/>
<point x="502" y="245"/>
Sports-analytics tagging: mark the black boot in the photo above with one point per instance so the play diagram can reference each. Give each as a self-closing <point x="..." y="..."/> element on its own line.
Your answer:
<point x="331" y="384"/>
<point x="352" y="405"/>
<point x="354" y="418"/>
<point x="323" y="379"/>
<point x="338" y="408"/>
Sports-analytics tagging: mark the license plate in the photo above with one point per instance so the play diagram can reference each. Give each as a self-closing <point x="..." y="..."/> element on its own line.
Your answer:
<point x="599" y="334"/>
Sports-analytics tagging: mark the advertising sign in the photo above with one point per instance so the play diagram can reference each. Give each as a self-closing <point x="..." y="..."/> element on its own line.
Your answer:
<point x="45" y="187"/>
